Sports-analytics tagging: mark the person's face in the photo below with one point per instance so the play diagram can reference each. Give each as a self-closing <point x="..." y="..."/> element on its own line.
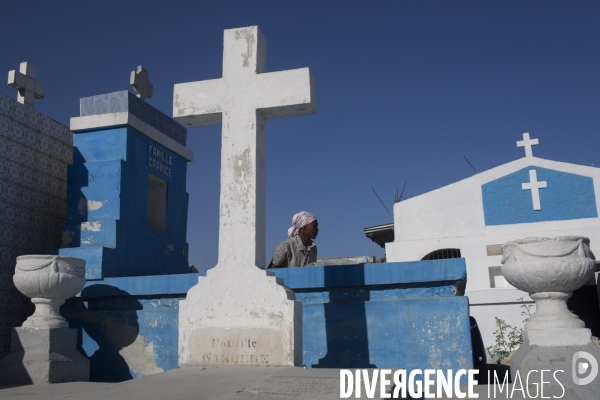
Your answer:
<point x="311" y="230"/>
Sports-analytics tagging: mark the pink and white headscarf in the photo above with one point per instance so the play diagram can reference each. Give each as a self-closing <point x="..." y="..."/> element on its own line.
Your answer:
<point x="299" y="220"/>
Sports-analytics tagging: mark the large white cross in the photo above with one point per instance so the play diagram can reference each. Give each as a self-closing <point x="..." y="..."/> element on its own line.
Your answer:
<point x="241" y="101"/>
<point x="24" y="81"/>
<point x="527" y="143"/>
<point x="535" y="187"/>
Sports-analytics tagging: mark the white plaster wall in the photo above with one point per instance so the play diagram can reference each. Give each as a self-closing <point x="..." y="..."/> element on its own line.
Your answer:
<point x="452" y="211"/>
<point x="485" y="316"/>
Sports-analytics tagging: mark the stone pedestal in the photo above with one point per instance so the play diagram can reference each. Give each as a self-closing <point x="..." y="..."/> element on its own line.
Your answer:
<point x="240" y="316"/>
<point x="555" y="340"/>
<point x="40" y="356"/>
<point x="562" y="362"/>
<point x="44" y="349"/>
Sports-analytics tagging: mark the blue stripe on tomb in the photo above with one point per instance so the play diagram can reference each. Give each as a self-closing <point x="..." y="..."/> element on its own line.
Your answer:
<point x="373" y="274"/>
<point x="567" y="197"/>
<point x="143" y="285"/>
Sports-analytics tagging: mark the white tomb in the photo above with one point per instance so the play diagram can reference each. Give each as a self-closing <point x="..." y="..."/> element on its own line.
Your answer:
<point x="238" y="314"/>
<point x="526" y="197"/>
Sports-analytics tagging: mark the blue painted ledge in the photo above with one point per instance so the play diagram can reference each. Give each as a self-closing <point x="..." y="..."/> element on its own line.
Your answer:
<point x="141" y="285"/>
<point x="396" y="273"/>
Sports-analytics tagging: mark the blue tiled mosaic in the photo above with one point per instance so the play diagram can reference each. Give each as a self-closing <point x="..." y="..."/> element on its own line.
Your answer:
<point x="125" y="101"/>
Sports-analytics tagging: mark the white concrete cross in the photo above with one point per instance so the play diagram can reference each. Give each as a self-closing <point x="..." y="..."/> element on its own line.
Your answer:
<point x="535" y="187"/>
<point x="24" y="81"/>
<point x="241" y="101"/>
<point x="527" y="143"/>
<point x="141" y="83"/>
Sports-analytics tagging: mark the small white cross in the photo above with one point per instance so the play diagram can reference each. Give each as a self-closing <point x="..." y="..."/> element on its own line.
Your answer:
<point x="534" y="186"/>
<point x="24" y="81"/>
<point x="141" y="83"/>
<point x="527" y="143"/>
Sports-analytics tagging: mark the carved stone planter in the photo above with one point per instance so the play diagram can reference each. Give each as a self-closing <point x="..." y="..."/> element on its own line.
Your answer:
<point x="554" y="340"/>
<point x="44" y="349"/>
<point x="549" y="270"/>
<point x="49" y="281"/>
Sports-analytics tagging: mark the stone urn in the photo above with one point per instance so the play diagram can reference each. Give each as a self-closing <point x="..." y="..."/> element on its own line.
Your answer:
<point x="550" y="270"/>
<point x="48" y="281"/>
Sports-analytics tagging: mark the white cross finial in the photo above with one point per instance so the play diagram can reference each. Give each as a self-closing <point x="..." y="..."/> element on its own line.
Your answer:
<point x="241" y="101"/>
<point x="527" y="143"/>
<point x="24" y="81"/>
<point x="534" y="186"/>
<point x="141" y="83"/>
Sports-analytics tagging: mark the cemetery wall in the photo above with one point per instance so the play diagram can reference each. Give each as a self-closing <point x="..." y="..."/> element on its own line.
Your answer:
<point x="34" y="153"/>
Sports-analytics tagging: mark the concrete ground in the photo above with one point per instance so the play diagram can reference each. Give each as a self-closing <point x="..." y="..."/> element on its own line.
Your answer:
<point x="220" y="382"/>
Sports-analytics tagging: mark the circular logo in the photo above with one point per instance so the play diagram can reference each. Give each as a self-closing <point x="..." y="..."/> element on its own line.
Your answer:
<point x="584" y="368"/>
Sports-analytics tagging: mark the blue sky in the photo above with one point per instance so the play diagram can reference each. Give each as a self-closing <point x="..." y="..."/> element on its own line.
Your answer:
<point x="406" y="89"/>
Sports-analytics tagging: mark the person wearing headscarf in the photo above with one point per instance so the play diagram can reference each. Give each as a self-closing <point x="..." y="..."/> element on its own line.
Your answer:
<point x="299" y="250"/>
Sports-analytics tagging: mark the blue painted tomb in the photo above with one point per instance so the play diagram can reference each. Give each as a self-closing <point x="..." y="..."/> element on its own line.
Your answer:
<point x="388" y="315"/>
<point x="126" y="193"/>
<point x="406" y="314"/>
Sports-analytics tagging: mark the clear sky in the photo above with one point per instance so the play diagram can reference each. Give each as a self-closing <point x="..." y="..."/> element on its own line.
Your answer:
<point x="406" y="89"/>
